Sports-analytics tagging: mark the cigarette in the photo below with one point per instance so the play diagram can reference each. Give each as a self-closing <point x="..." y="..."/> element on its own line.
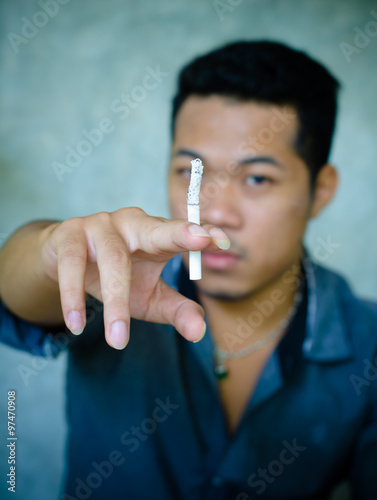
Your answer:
<point x="193" y="212"/>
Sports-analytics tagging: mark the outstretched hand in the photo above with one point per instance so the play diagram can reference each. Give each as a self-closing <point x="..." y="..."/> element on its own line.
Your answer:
<point x="118" y="258"/>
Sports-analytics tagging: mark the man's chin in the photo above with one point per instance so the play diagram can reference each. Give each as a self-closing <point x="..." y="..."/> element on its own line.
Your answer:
<point x="225" y="295"/>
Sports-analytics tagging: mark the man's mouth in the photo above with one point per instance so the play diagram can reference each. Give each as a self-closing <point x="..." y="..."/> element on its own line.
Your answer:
<point x="221" y="260"/>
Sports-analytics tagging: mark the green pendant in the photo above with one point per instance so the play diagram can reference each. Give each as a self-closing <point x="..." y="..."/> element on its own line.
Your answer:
<point x="220" y="371"/>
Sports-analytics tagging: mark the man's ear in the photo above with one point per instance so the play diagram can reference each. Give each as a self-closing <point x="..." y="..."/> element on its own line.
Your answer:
<point x="324" y="189"/>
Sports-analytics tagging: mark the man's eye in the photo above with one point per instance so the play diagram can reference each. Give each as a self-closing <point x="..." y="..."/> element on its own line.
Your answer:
<point x="254" y="180"/>
<point x="184" y="172"/>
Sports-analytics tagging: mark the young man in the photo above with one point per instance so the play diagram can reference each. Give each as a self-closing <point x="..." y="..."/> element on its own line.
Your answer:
<point x="279" y="399"/>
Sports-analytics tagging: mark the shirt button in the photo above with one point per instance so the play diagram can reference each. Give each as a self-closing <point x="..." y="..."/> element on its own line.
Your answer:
<point x="217" y="481"/>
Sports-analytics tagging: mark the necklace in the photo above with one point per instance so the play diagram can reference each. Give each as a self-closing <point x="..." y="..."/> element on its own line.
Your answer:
<point x="220" y="355"/>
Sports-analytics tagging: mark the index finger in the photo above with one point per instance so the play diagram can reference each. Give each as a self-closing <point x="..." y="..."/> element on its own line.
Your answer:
<point x="163" y="237"/>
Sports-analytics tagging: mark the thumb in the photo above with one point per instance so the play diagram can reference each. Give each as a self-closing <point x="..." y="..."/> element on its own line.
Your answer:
<point x="170" y="307"/>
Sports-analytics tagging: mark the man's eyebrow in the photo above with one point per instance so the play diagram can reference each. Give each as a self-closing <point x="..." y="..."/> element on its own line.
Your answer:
<point x="260" y="159"/>
<point x="245" y="161"/>
<point x="187" y="152"/>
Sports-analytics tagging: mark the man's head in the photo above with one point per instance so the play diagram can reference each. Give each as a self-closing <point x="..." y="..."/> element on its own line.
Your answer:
<point x="270" y="73"/>
<point x="261" y="118"/>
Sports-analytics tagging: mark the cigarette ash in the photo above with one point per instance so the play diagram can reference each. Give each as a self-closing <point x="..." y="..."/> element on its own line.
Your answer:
<point x="195" y="181"/>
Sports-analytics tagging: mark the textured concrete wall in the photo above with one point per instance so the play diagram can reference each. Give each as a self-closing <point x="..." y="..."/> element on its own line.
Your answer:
<point x="67" y="74"/>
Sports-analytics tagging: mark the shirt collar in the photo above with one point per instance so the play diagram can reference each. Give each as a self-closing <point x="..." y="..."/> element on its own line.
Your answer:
<point x="326" y="336"/>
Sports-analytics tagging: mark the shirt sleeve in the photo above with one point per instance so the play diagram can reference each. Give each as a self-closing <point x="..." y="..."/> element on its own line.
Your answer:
<point x="29" y="337"/>
<point x="49" y="342"/>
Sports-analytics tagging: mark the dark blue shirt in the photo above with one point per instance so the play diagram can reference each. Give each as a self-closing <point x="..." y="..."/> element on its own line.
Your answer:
<point x="147" y="422"/>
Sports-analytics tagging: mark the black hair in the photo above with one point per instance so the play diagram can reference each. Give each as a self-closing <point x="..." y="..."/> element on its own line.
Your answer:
<point x="270" y="73"/>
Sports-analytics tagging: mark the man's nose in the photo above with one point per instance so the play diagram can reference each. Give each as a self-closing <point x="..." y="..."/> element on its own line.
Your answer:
<point x="220" y="206"/>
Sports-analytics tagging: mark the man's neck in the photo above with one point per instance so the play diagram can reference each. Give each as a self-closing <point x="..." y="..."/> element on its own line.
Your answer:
<point x="236" y="324"/>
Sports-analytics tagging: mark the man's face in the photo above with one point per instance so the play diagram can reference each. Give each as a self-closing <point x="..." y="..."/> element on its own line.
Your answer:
<point x="255" y="187"/>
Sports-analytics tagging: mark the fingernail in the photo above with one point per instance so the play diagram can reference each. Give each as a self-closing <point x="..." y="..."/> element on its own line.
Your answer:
<point x="75" y="322"/>
<point x="198" y="230"/>
<point x="220" y="238"/>
<point x="119" y="335"/>
<point x="203" y="333"/>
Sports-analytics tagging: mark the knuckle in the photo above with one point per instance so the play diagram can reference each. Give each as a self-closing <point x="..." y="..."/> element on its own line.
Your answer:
<point x="118" y="258"/>
<point x="70" y="226"/>
<point x="116" y="251"/>
<point x="135" y="223"/>
<point x="161" y="219"/>
<point x="127" y="214"/>
<point x="104" y="216"/>
<point x="135" y="211"/>
<point x="71" y="248"/>
<point x="102" y="219"/>
<point x="67" y="254"/>
<point x="70" y="234"/>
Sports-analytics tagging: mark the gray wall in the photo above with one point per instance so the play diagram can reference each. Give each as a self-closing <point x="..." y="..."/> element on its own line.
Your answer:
<point x="67" y="76"/>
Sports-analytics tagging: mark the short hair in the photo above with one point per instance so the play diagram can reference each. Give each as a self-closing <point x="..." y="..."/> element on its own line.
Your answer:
<point x="269" y="72"/>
